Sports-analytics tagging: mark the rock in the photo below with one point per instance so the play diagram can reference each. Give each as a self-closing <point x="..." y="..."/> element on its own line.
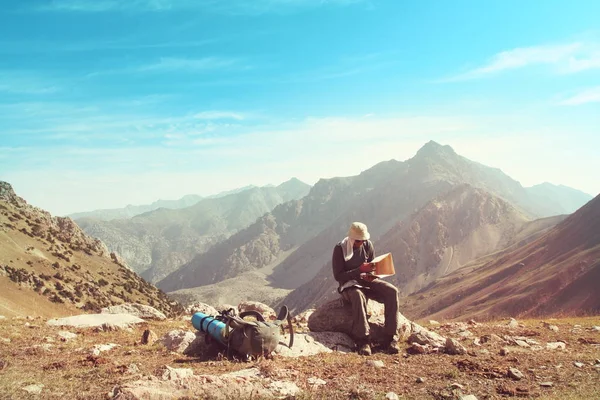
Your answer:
<point x="118" y="321"/>
<point x="284" y="389"/>
<point x="420" y="379"/>
<point x="264" y="309"/>
<point x="132" y="369"/>
<point x="201" y="307"/>
<point x="515" y="374"/>
<point x="578" y="364"/>
<point x="316" y="381"/>
<point x="454" y="348"/>
<point x="242" y="384"/>
<point x="2" y="317"/>
<point x="225" y="307"/>
<point x="5" y="340"/>
<point x="433" y="322"/>
<point x="307" y="344"/>
<point x="417" y="348"/>
<point x="596" y="328"/>
<point x="522" y="343"/>
<point x="375" y="363"/>
<point x="336" y="316"/>
<point x="170" y="374"/>
<point x="135" y="309"/>
<point x="178" y="340"/>
<point x="492" y="339"/>
<point x="425" y="337"/>
<point x="391" y="396"/>
<point x="556" y="346"/>
<point x="546" y="384"/>
<point x="455" y="385"/>
<point x="468" y="397"/>
<point x="197" y="347"/>
<point x="148" y="337"/>
<point x="303" y="316"/>
<point x="99" y="348"/>
<point x="513" y="323"/>
<point x="3" y="364"/>
<point x="34" y="389"/>
<point x="65" y="336"/>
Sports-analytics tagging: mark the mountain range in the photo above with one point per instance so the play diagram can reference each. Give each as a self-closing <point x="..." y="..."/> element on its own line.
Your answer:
<point x="444" y="218"/>
<point x="159" y="241"/>
<point x="292" y="244"/>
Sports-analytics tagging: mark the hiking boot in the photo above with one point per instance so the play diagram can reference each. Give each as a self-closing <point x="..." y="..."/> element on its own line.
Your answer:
<point x="364" y="346"/>
<point x="391" y="346"/>
<point x="364" y="349"/>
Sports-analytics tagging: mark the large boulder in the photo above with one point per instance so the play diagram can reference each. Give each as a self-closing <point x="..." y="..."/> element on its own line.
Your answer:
<point x="182" y="383"/>
<point x="185" y="342"/>
<point x="201" y="307"/>
<point x="264" y="309"/>
<point x="114" y="321"/>
<point x="135" y="309"/>
<point x="336" y="316"/>
<point x="311" y="343"/>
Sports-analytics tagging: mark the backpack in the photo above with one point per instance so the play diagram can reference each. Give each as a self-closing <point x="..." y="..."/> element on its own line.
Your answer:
<point x="245" y="337"/>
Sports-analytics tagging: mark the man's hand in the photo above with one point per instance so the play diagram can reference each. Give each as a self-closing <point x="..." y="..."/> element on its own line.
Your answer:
<point x="368" y="277"/>
<point x="367" y="267"/>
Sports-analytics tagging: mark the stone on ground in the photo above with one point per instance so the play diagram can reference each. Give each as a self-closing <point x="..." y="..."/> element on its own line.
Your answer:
<point x="121" y="321"/>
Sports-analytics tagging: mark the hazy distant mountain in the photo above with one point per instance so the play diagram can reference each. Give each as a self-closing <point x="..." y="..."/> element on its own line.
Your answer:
<point x="157" y="242"/>
<point x="131" y="210"/>
<point x="295" y="240"/>
<point x="559" y="197"/>
<point x="557" y="274"/>
<point x="49" y="266"/>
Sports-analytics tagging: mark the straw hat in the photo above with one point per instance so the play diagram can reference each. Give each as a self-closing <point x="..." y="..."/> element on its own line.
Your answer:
<point x="358" y="231"/>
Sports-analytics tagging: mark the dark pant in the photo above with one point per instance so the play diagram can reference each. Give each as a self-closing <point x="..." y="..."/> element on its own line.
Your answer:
<point x="378" y="290"/>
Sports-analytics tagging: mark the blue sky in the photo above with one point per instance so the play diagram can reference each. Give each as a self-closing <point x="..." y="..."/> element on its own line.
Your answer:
<point x="105" y="103"/>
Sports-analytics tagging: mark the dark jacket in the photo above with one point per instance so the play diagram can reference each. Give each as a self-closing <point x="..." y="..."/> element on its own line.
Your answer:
<point x="343" y="270"/>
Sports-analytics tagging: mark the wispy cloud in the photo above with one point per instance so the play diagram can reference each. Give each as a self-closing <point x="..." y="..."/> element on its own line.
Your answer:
<point x="219" y="161"/>
<point x="212" y="115"/>
<point x="346" y="67"/>
<point x="25" y="83"/>
<point x="188" y="64"/>
<point x="591" y="95"/>
<point x="217" y="6"/>
<point x="566" y="58"/>
<point x="173" y="64"/>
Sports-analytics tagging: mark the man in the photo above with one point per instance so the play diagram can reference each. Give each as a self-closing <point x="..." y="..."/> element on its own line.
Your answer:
<point x="352" y="268"/>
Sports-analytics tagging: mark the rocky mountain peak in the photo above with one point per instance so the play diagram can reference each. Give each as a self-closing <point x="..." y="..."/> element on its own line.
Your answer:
<point x="433" y="149"/>
<point x="8" y="194"/>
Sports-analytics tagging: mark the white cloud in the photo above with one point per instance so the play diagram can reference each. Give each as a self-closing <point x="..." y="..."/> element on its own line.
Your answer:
<point x="591" y="95"/>
<point x="172" y="64"/>
<point x="310" y="149"/>
<point x="22" y="82"/>
<point x="211" y="115"/>
<point x="566" y="58"/>
<point x="188" y="64"/>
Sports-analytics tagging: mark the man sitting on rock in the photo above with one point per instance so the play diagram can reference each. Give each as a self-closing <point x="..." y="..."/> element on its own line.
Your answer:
<point x="352" y="268"/>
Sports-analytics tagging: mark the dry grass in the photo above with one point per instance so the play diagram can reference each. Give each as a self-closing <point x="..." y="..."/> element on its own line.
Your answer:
<point x="68" y="370"/>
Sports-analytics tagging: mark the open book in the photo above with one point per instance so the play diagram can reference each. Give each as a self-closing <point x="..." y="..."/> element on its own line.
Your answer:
<point x="384" y="265"/>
